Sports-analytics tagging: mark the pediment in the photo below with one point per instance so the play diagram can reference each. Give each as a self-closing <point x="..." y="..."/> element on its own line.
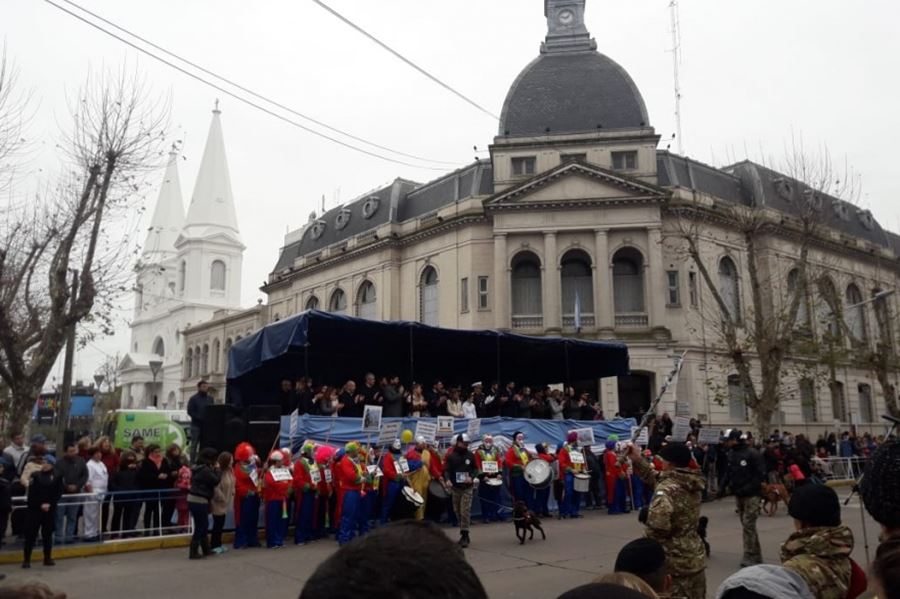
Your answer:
<point x="577" y="183"/>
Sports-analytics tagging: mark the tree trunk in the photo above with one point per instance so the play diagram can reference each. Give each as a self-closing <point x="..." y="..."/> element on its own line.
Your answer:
<point x="763" y="418"/>
<point x="23" y="398"/>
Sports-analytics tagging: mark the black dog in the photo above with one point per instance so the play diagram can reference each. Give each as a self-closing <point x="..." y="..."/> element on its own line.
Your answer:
<point x="526" y="521"/>
<point x="701" y="530"/>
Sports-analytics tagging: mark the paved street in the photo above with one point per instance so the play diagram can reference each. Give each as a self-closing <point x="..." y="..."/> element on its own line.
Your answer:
<point x="574" y="553"/>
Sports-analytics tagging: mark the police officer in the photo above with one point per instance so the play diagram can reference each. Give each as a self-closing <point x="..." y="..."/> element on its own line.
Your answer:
<point x="746" y="475"/>
<point x="674" y="515"/>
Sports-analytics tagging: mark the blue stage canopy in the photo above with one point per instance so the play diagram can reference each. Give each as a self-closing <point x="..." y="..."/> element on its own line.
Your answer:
<point x="332" y="348"/>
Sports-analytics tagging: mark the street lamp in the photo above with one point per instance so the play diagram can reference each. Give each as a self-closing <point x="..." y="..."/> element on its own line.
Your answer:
<point x="155" y="365"/>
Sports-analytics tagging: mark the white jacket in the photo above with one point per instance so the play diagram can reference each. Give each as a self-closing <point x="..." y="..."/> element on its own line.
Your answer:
<point x="98" y="477"/>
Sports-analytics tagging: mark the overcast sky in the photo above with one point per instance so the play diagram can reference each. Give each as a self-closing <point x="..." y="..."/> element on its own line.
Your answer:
<point x="752" y="73"/>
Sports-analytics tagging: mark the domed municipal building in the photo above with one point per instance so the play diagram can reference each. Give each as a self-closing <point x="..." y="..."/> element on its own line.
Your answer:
<point x="571" y="228"/>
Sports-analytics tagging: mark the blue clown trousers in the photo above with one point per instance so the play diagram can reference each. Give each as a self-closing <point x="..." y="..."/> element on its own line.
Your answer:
<point x="276" y="523"/>
<point x="522" y="491"/>
<point x="306" y="506"/>
<point x="490" y="499"/>
<point x="542" y="499"/>
<point x="571" y="499"/>
<point x="618" y="504"/>
<point x="637" y="492"/>
<point x="350" y="509"/>
<point x="246" y="534"/>
<point x="393" y="489"/>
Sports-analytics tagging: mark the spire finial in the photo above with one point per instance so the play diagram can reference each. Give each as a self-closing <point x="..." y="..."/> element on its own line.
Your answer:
<point x="216" y="108"/>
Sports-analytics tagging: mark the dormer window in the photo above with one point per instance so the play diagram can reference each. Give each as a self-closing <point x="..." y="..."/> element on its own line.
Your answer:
<point x="523" y="165"/>
<point x="342" y="219"/>
<point x="814" y="199"/>
<point x="865" y="217"/>
<point x="317" y="229"/>
<point x="841" y="210"/>
<point x="783" y="189"/>
<point x="624" y="161"/>
<point x="370" y="207"/>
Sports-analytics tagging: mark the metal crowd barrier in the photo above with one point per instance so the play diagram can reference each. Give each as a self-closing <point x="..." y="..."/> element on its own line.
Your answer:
<point x="836" y="468"/>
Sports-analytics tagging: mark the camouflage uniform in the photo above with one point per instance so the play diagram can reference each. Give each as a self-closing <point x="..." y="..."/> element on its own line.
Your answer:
<point x="821" y="556"/>
<point x="748" y="508"/>
<point x="672" y="520"/>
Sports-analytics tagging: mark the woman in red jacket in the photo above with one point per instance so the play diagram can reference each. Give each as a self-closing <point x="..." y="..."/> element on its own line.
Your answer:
<point x="276" y="486"/>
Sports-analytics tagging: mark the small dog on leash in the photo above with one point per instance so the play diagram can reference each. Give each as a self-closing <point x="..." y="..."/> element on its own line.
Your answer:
<point x="772" y="494"/>
<point x="701" y="530"/>
<point x="526" y="521"/>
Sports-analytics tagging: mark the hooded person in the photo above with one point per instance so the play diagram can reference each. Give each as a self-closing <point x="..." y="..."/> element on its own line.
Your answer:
<point x="616" y="490"/>
<point x="764" y="581"/>
<point x="490" y="470"/>
<point x="394" y="467"/>
<point x="819" y="551"/>
<point x="674" y="515"/>
<point x="306" y="480"/>
<point x="571" y="463"/>
<point x="350" y="478"/>
<point x="517" y="458"/>
<point x="276" y="487"/>
<point x="246" y="496"/>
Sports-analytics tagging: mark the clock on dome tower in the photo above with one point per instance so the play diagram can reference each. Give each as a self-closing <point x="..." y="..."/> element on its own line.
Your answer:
<point x="565" y="27"/>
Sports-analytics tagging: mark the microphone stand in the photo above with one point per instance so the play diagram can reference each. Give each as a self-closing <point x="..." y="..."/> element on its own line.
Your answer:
<point x="855" y="490"/>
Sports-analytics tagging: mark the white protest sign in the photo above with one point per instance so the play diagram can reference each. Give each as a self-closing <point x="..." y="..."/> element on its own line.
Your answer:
<point x="474" y="428"/>
<point x="389" y="432"/>
<point x="445" y="426"/>
<point x="682" y="428"/>
<point x="371" y="419"/>
<point x="280" y="474"/>
<point x="577" y="457"/>
<point x="585" y="436"/>
<point x="328" y="475"/>
<point x="708" y="436"/>
<point x="490" y="467"/>
<point x="427" y="430"/>
<point x="641" y="436"/>
<point x="314" y="474"/>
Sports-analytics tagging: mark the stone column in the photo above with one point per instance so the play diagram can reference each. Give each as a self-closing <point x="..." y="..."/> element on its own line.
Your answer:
<point x="501" y="284"/>
<point x="551" y="283"/>
<point x="655" y="290"/>
<point x="603" y="287"/>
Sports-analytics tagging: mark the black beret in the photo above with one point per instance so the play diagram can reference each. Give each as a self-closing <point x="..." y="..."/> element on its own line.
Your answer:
<point x="641" y="557"/>
<point x="880" y="486"/>
<point x="676" y="453"/>
<point x="816" y="505"/>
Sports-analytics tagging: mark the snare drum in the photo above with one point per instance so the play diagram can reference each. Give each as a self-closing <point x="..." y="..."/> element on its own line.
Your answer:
<point x="582" y="482"/>
<point x="405" y="506"/>
<point x="493" y="482"/>
<point x="437" y="491"/>
<point x="538" y="474"/>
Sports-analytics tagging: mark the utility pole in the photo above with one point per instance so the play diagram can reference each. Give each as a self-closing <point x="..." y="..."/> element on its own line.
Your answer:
<point x="65" y="396"/>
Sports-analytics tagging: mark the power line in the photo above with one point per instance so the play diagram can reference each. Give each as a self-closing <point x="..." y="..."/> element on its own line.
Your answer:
<point x="237" y="96"/>
<point x="250" y="91"/>
<point x="406" y="60"/>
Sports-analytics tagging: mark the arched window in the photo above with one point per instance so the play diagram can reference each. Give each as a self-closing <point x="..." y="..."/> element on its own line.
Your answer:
<point x="312" y="303"/>
<point x="838" y="401"/>
<point x="628" y="288"/>
<point x="883" y="317"/>
<point x="216" y="355"/>
<point x="729" y="287"/>
<point x="428" y="297"/>
<point x="793" y="285"/>
<point x="527" y="307"/>
<point x="856" y="314"/>
<point x="204" y="359"/>
<point x="808" y="409"/>
<point x="189" y="363"/>
<point x="159" y="347"/>
<point x="365" y="301"/>
<point x="217" y="276"/>
<point x="338" y="303"/>
<point x="577" y="287"/>
<point x="828" y="307"/>
<point x="182" y="276"/>
<point x="865" y="403"/>
<point x="737" y="399"/>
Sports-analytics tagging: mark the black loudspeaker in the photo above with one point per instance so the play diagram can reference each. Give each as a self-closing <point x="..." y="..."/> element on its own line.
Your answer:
<point x="263" y="437"/>
<point x="235" y="433"/>
<point x="212" y="433"/>
<point x="269" y="413"/>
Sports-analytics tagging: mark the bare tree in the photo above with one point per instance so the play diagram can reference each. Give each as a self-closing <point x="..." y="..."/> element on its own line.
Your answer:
<point x="758" y="339"/>
<point x="62" y="257"/>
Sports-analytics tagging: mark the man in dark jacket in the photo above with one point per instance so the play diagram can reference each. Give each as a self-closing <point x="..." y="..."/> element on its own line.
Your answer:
<point x="72" y="470"/>
<point x="461" y="475"/>
<point x="196" y="406"/>
<point x="392" y="393"/>
<point x="746" y="474"/>
<point x="204" y="478"/>
<point x="287" y="398"/>
<point x="44" y="491"/>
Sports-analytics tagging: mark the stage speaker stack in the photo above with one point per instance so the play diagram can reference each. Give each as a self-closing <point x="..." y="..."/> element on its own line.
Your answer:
<point x="213" y="431"/>
<point x="263" y="428"/>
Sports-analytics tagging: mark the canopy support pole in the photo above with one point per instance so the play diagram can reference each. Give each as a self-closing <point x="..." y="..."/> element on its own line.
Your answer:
<point x="412" y="360"/>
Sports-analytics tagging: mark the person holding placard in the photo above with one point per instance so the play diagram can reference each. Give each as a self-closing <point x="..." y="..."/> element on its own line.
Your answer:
<point x="395" y="467"/>
<point x="306" y="487"/>
<point x="571" y="463"/>
<point x="490" y="471"/>
<point x="276" y="484"/>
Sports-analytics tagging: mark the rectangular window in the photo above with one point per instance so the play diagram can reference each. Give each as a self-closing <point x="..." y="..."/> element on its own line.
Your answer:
<point x="523" y="165"/>
<point x="808" y="401"/>
<point x="674" y="296"/>
<point x="865" y="403"/>
<point x="464" y="295"/>
<point x="624" y="161"/>
<point x="482" y="293"/>
<point x="692" y="288"/>
<point x="573" y="158"/>
<point x="737" y="403"/>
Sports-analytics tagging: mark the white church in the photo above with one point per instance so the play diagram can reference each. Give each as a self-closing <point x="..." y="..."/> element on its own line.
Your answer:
<point x="190" y="268"/>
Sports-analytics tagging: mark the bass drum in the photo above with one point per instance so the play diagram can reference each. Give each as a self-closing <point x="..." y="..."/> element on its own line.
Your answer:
<point x="406" y="504"/>
<point x="538" y="474"/>
<point x="437" y="491"/>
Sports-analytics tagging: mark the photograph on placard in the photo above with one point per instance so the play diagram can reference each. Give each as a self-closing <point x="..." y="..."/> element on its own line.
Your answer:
<point x="372" y="419"/>
<point x="444" y="426"/>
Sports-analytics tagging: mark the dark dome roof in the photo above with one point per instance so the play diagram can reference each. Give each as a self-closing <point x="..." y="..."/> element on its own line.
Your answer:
<point x="571" y="93"/>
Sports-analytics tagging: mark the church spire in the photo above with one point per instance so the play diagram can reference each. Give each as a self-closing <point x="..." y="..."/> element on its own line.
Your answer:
<point x="566" y="31"/>
<point x="212" y="204"/>
<point x="168" y="215"/>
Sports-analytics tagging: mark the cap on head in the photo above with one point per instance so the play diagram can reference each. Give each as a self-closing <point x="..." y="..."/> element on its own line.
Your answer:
<point x="572" y="437"/>
<point x="351" y="448"/>
<point x="463" y="438"/>
<point x="613" y="437"/>
<point x="308" y="447"/>
<point x="816" y="505"/>
<point x="276" y="456"/>
<point x="38" y="439"/>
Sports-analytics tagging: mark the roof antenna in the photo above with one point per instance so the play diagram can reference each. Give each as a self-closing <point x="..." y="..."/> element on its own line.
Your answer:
<point x="676" y="61"/>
